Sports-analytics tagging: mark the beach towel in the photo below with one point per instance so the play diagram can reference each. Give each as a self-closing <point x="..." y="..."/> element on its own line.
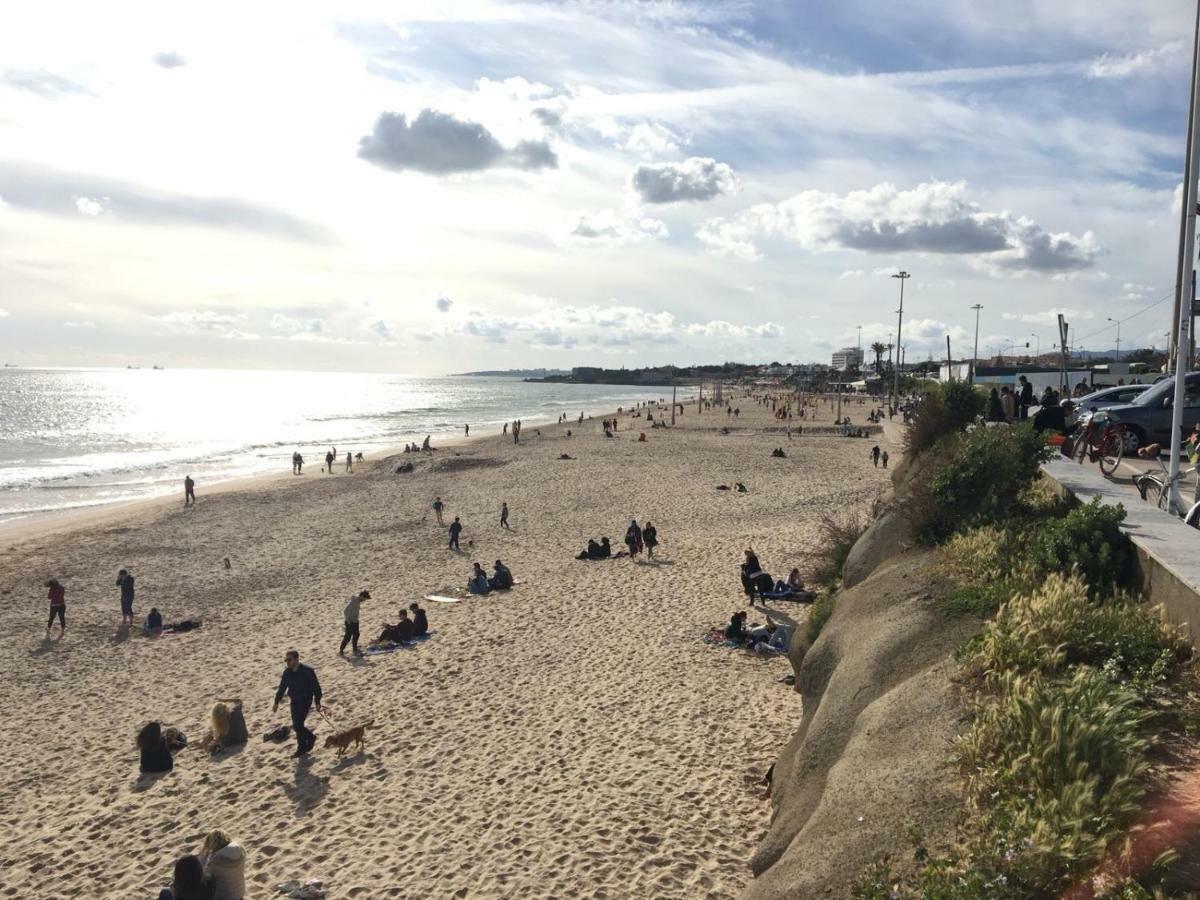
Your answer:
<point x="310" y="890"/>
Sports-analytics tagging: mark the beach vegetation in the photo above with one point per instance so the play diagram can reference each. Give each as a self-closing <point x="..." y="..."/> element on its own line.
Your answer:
<point x="839" y="533"/>
<point x="946" y="409"/>
<point x="818" y="614"/>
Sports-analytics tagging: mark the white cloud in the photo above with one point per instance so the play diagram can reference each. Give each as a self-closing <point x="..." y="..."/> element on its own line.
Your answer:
<point x="1047" y="316"/>
<point x="443" y="304"/>
<point x="169" y="60"/>
<point x="720" y="328"/>
<point x="1122" y="66"/>
<point x="235" y="334"/>
<point x="90" y="207"/>
<point x="84" y="324"/>
<point x="933" y="217"/>
<point x="199" y="320"/>
<point x="695" y="179"/>
<point x="653" y="139"/>
<point x="611" y="228"/>
<point x="4" y="313"/>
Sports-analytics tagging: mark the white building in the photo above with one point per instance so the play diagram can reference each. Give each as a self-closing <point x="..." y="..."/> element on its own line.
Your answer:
<point x="847" y="358"/>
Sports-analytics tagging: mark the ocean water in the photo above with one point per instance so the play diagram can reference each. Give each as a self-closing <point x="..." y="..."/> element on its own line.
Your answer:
<point x="78" y="438"/>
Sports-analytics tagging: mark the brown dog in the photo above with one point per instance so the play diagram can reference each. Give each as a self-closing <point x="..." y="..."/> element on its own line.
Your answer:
<point x="343" y="740"/>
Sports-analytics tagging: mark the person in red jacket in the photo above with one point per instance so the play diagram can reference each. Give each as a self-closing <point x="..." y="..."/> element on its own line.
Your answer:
<point x="58" y="606"/>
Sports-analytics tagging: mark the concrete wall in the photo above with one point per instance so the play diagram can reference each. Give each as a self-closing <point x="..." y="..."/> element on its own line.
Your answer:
<point x="1168" y="552"/>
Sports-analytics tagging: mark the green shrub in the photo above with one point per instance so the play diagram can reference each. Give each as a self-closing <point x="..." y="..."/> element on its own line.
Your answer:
<point x="838" y="536"/>
<point x="1057" y="626"/>
<point x="951" y="407"/>
<point x="1056" y="769"/>
<point x="977" y="556"/>
<point x="976" y="599"/>
<point x="1089" y="536"/>
<point x="986" y="472"/>
<point x="818" y="615"/>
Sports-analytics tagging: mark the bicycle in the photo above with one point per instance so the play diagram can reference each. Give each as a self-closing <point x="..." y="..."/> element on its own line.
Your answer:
<point x="1100" y="441"/>
<point x="1156" y="487"/>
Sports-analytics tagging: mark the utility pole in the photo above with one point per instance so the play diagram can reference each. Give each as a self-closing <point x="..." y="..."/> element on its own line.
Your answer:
<point x="903" y="276"/>
<point x="975" y="354"/>
<point x="1119" y="336"/>
<point x="1172" y="347"/>
<point x="860" y="341"/>
<point x="1183" y="320"/>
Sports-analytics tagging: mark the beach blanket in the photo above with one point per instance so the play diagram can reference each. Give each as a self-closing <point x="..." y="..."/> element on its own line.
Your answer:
<point x="795" y="596"/>
<point x="392" y="646"/>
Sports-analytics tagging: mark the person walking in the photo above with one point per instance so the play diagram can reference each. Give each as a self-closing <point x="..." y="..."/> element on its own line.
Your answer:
<point x="125" y="583"/>
<point x="329" y="457"/>
<point x="885" y="458"/>
<point x="189" y="491"/>
<point x="633" y="539"/>
<point x="875" y="455"/>
<point x="350" y="636"/>
<point x="349" y="459"/>
<point x="299" y="464"/>
<point x="58" y="606"/>
<point x="650" y="539"/>
<point x="438" y="506"/>
<point x="299" y="682"/>
<point x="504" y="515"/>
<point x="455" y="531"/>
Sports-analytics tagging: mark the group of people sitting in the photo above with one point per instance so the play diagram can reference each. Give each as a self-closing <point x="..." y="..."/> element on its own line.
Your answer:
<point x="153" y="626"/>
<point x="770" y="637"/>
<point x="407" y="629"/>
<point x="480" y="583"/>
<point x="596" y="550"/>
<point x="757" y="582"/>
<point x="217" y="872"/>
<point x="157" y="745"/>
<point x="778" y="453"/>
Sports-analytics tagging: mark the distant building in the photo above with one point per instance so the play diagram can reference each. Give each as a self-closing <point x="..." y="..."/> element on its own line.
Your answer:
<point x="847" y="358"/>
<point x="586" y="373"/>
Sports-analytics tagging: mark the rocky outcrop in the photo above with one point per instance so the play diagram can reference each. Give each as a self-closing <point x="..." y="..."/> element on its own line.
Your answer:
<point x="867" y="764"/>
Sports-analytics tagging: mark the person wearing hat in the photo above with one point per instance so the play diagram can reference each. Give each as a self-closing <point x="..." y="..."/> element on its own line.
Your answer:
<point x="351" y="616"/>
<point x="125" y="583"/>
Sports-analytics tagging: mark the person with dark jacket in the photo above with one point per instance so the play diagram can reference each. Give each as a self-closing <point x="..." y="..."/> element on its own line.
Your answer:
<point x="402" y="631"/>
<point x="455" y="531"/>
<point x="750" y="570"/>
<point x="125" y="583"/>
<point x="419" y="620"/>
<point x="190" y="882"/>
<point x="299" y="682"/>
<point x="995" y="408"/>
<point x="650" y="539"/>
<point x="736" y="629"/>
<point x="501" y="579"/>
<point x="1025" y="397"/>
<point x="155" y="754"/>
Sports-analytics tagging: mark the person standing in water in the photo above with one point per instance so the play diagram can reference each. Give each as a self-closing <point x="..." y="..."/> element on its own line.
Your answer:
<point x="125" y="583"/>
<point x="189" y="491"/>
<point x="503" y="515"/>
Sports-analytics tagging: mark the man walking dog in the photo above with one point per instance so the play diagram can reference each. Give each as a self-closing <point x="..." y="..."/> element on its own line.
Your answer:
<point x="300" y="683"/>
<point x="351" y="633"/>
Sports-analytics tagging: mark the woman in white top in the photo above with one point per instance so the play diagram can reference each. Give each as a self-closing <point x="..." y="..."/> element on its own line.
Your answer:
<point x="225" y="863"/>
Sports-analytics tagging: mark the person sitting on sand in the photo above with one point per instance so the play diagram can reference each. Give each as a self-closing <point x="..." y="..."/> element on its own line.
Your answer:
<point x="592" y="551"/>
<point x="736" y="629"/>
<point x="225" y="865"/>
<point x="402" y="631"/>
<point x="795" y="582"/>
<point x="419" y="620"/>
<point x="478" y="583"/>
<point x="190" y="882"/>
<point x="227" y="726"/>
<point x="154" y="622"/>
<point x="155" y="754"/>
<point x="502" y="579"/>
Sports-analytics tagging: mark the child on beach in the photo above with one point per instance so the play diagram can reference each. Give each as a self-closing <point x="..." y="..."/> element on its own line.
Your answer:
<point x="58" y="606"/>
<point x="438" y="506"/>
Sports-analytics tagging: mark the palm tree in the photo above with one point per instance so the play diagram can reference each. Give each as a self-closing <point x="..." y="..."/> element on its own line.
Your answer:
<point x="879" y="349"/>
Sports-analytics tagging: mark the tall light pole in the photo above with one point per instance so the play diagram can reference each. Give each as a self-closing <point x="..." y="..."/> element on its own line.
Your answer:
<point x="903" y="276"/>
<point x="860" y="342"/>
<point x="1037" y="337"/>
<point x="975" y="353"/>
<point x="1118" y="321"/>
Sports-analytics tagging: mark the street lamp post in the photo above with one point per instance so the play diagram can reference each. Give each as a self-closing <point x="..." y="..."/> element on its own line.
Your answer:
<point x="1037" y="337"/>
<point x="1118" y="321"/>
<point x="975" y="353"/>
<point x="903" y="276"/>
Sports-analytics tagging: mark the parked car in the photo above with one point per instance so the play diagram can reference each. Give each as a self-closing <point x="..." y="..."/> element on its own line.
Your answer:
<point x="1147" y="419"/>
<point x="1110" y="396"/>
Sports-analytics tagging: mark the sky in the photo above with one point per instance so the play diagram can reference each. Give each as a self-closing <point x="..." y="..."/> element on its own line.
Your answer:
<point x="430" y="187"/>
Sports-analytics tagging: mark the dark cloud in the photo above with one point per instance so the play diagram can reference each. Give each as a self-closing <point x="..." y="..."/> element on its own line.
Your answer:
<point x="968" y="235"/>
<point x="1040" y="251"/>
<point x="444" y="304"/>
<point x="548" y="117"/>
<point x="694" y="179"/>
<point x="49" y="191"/>
<point x="437" y="143"/>
<point x="45" y="84"/>
<point x="169" y="60"/>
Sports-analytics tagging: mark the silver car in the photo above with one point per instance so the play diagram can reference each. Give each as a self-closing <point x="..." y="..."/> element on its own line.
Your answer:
<point x="1109" y="396"/>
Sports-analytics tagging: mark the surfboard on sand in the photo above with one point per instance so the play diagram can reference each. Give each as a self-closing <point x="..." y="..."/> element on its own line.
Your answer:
<point x="442" y="598"/>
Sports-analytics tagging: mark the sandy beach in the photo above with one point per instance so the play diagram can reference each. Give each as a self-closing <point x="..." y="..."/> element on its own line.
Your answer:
<point x="571" y="738"/>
